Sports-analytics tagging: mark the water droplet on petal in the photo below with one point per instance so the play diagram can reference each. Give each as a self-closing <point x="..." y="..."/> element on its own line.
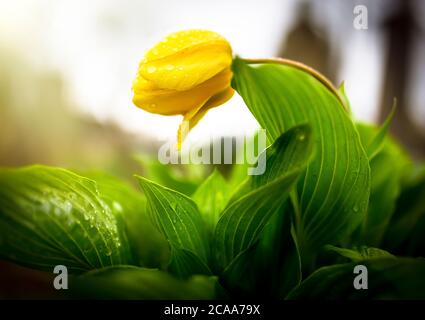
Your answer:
<point x="169" y="67"/>
<point x="151" y="69"/>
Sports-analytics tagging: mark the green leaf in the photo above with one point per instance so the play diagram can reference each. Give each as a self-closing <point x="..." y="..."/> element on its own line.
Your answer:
<point x="242" y="276"/>
<point x="343" y="96"/>
<point x="211" y="197"/>
<point x="375" y="145"/>
<point x="51" y="216"/>
<point x="244" y="219"/>
<point x="184" y="263"/>
<point x="360" y="253"/>
<point x="140" y="283"/>
<point x="278" y="257"/>
<point x="389" y="165"/>
<point x="148" y="244"/>
<point x="182" y="178"/>
<point x="178" y="218"/>
<point x="406" y="231"/>
<point x="388" y="278"/>
<point x="335" y="189"/>
<point x="270" y="268"/>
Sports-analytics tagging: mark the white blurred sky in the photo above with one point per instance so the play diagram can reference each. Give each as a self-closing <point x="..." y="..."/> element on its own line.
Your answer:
<point x="97" y="46"/>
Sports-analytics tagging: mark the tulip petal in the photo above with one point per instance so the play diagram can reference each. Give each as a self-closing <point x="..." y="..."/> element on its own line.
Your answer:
<point x="172" y="102"/>
<point x="186" y="59"/>
<point x="191" y="119"/>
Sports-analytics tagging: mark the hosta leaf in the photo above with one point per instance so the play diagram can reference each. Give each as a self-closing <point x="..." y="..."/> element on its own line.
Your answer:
<point x="182" y="178"/>
<point x="178" y="218"/>
<point x="211" y="198"/>
<point x="406" y="231"/>
<point x="360" y="253"/>
<point x="244" y="219"/>
<point x="278" y="257"/>
<point x="388" y="168"/>
<point x="184" y="263"/>
<point x="149" y="246"/>
<point x="343" y="96"/>
<point x="51" y="216"/>
<point x="388" y="278"/>
<point x="334" y="193"/>
<point x="268" y="269"/>
<point x="140" y="283"/>
<point x="375" y="144"/>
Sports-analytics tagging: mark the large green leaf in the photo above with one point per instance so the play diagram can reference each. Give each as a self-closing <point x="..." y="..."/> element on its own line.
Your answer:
<point x="244" y="219"/>
<point x="333" y="194"/>
<point x="211" y="197"/>
<point x="388" y="278"/>
<point x="374" y="145"/>
<point x="278" y="257"/>
<point x="389" y="165"/>
<point x="405" y="234"/>
<point x="140" y="283"/>
<point x="184" y="178"/>
<point x="178" y="218"/>
<point x="148" y="244"/>
<point x="184" y="263"/>
<point x="51" y="216"/>
<point x="357" y="254"/>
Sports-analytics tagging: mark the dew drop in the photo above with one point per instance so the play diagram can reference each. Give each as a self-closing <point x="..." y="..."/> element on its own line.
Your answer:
<point x="117" y="206"/>
<point x="301" y="137"/>
<point x="169" y="67"/>
<point x="67" y="207"/>
<point x="57" y="212"/>
<point x="151" y="69"/>
<point x="355" y="208"/>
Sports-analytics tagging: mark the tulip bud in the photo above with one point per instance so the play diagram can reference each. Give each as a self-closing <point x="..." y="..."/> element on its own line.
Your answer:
<point x="187" y="73"/>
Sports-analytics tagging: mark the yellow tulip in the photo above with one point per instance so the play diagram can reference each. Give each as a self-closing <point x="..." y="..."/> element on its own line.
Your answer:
<point x="187" y="73"/>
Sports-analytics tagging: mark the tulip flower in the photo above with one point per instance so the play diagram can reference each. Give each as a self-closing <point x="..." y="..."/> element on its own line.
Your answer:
<point x="187" y="73"/>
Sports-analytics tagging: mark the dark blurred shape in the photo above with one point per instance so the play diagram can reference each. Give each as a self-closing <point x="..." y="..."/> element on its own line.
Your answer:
<point x="400" y="30"/>
<point x="308" y="43"/>
<point x="18" y="282"/>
